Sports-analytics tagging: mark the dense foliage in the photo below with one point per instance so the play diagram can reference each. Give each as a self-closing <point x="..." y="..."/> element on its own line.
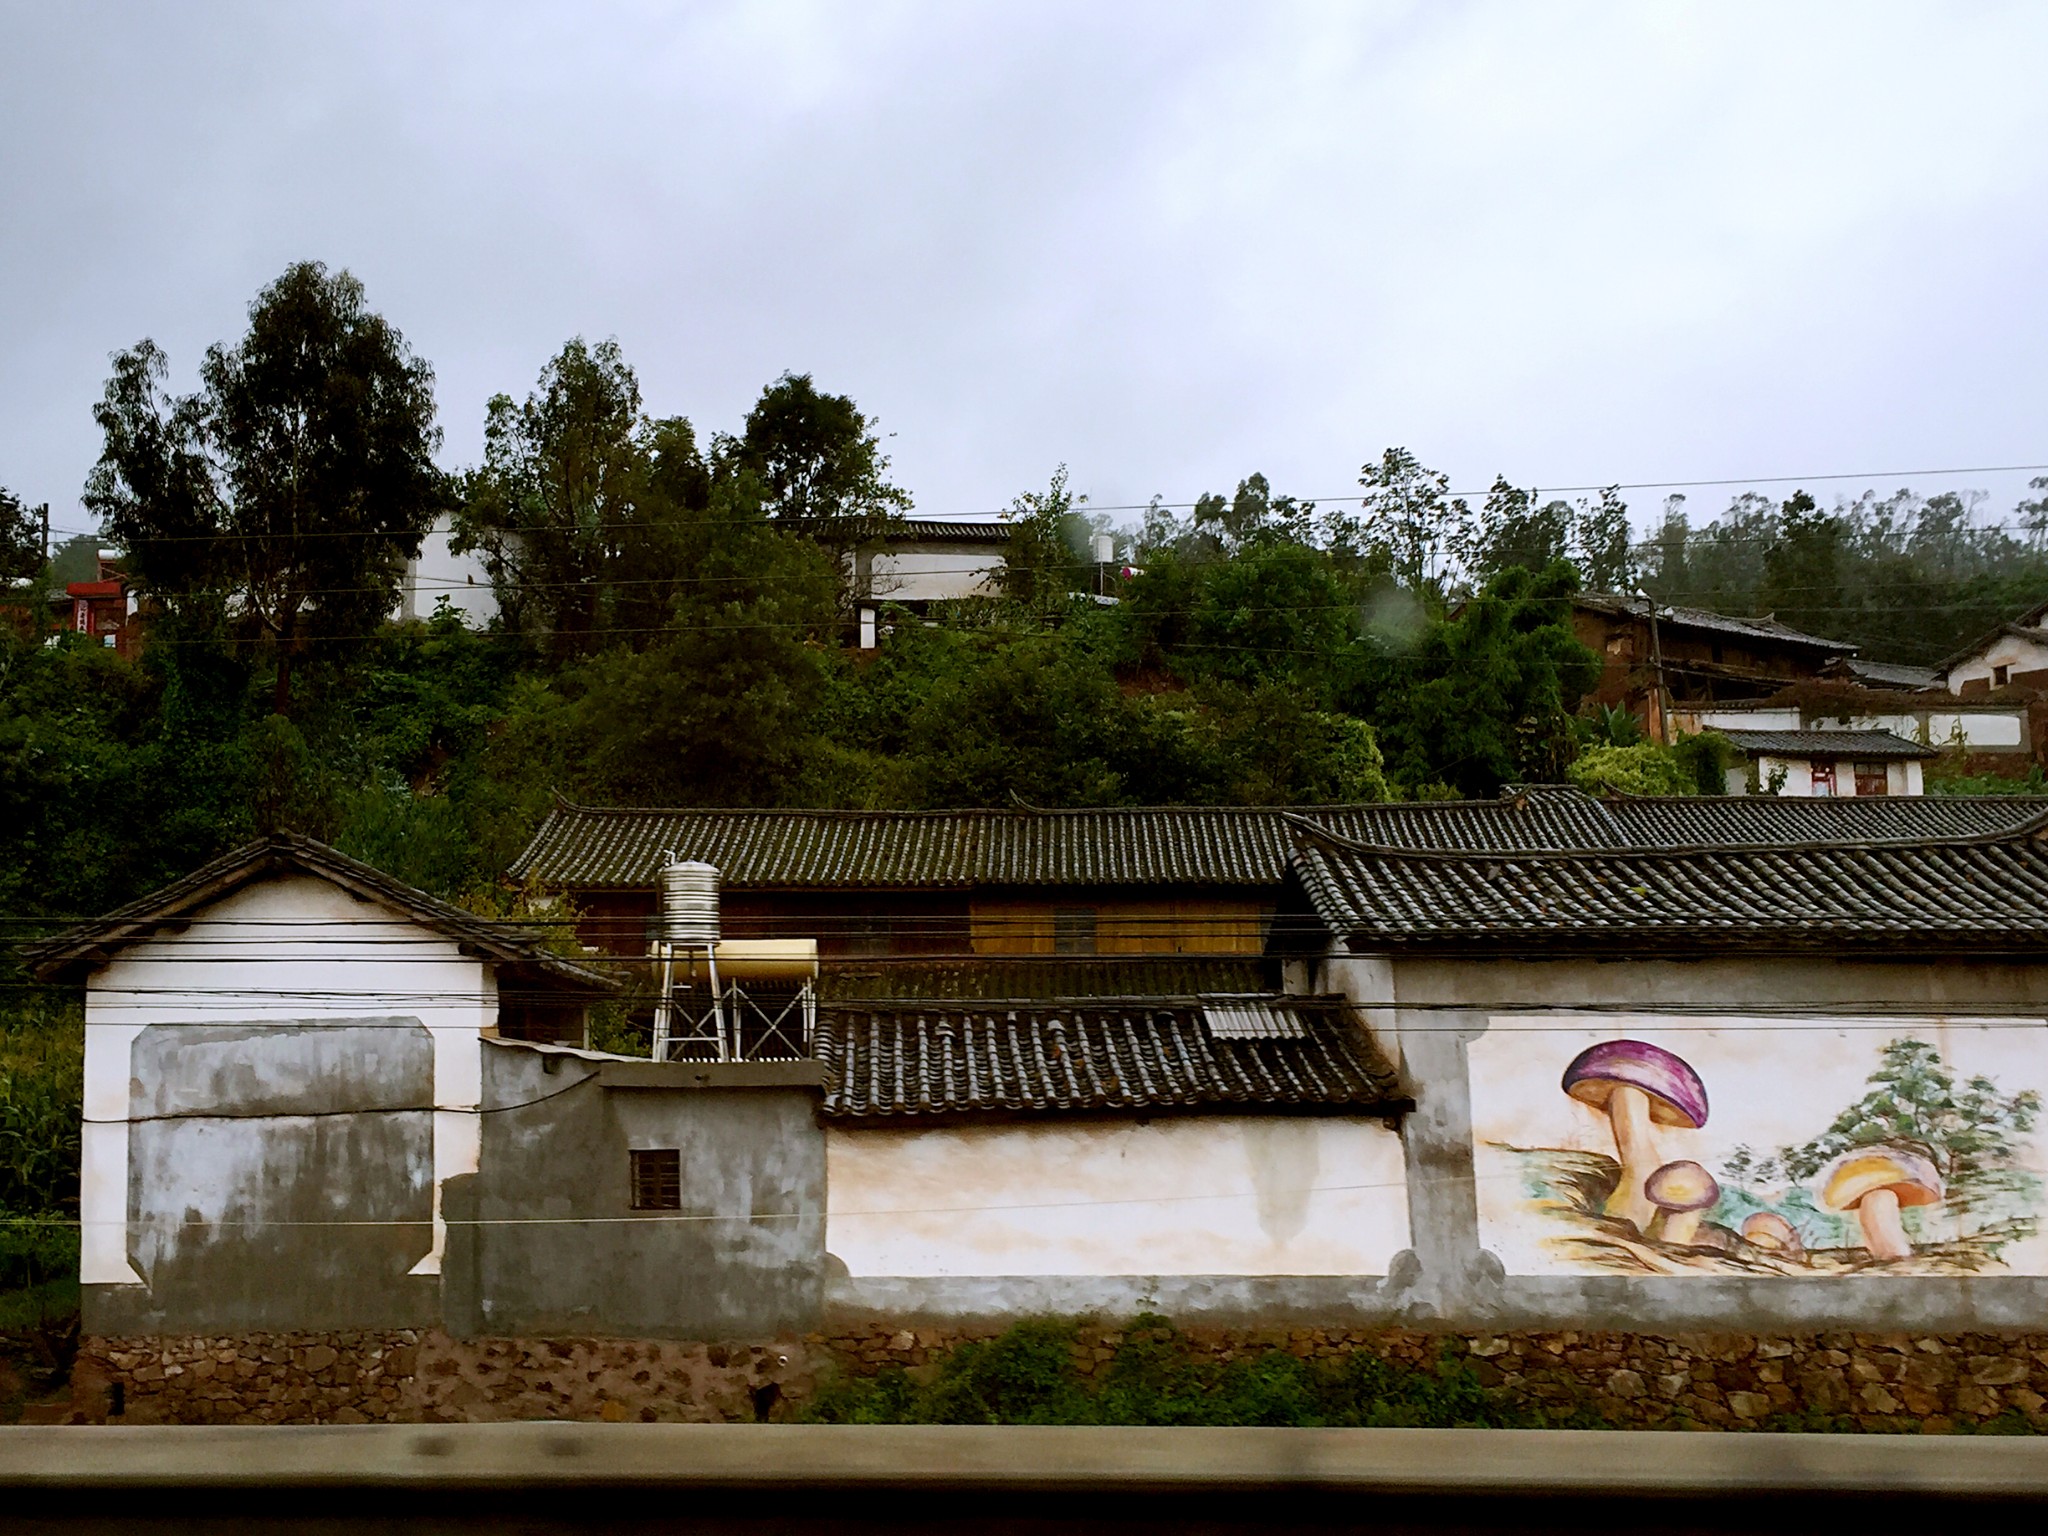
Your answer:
<point x="1029" y="1375"/>
<point x="675" y="624"/>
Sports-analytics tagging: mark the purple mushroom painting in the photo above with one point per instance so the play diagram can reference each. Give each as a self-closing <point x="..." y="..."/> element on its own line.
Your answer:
<point x="1639" y="1087"/>
<point x="1928" y="1169"/>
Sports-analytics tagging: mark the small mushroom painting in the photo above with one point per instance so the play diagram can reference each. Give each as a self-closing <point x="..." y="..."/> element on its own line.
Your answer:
<point x="1794" y="1148"/>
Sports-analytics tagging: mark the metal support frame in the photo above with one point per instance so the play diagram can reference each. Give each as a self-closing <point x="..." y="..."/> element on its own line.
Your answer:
<point x="666" y="1037"/>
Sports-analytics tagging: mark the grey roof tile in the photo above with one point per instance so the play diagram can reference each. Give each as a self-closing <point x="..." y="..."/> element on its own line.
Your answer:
<point x="595" y="848"/>
<point x="1984" y="894"/>
<point x="932" y="1061"/>
<point x="1867" y="744"/>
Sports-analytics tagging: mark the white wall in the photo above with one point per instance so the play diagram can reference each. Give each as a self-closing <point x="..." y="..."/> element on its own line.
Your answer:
<point x="440" y="572"/>
<point x="1704" y="717"/>
<point x="2015" y="651"/>
<point x="295" y="948"/>
<point x="1208" y="1195"/>
<point x="1982" y="730"/>
<point x="913" y="576"/>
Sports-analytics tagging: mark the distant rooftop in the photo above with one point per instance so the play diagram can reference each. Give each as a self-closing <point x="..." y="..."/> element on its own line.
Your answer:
<point x="1765" y="628"/>
<point x="623" y="848"/>
<point x="1866" y="744"/>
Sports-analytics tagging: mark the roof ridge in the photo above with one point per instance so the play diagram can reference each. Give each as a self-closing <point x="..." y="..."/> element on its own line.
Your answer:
<point x="2017" y="833"/>
<point x="1023" y="808"/>
<point x="309" y="855"/>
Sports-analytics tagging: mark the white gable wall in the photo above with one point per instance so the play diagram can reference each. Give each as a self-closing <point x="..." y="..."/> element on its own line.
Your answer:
<point x="285" y="949"/>
<point x="2018" y="652"/>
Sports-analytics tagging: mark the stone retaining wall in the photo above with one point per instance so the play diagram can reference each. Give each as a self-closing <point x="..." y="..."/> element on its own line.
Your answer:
<point x="1882" y="1382"/>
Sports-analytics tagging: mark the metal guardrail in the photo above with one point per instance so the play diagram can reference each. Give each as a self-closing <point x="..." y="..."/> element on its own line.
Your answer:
<point x="1397" y="1463"/>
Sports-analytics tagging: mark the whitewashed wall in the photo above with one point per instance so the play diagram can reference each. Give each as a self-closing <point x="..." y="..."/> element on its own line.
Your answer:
<point x="2014" y="651"/>
<point x="1979" y="729"/>
<point x="296" y="948"/>
<point x="912" y="576"/>
<point x="439" y="572"/>
<point x="1221" y="1195"/>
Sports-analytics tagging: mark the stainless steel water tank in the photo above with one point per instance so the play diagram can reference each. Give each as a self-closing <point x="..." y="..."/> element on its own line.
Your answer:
<point x="689" y="903"/>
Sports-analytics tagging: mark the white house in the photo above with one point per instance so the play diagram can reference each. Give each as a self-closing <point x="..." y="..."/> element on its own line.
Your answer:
<point x="2012" y="653"/>
<point x="286" y="1009"/>
<point x="1825" y="764"/>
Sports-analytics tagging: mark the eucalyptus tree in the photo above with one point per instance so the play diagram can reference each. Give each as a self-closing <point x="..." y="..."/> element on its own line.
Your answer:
<point x="285" y="495"/>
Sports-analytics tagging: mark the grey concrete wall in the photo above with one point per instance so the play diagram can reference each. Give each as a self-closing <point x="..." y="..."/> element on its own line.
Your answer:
<point x="279" y="1175"/>
<point x="557" y="1246"/>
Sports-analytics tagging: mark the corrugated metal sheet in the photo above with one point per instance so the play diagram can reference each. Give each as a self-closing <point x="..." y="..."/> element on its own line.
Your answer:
<point x="890" y="1063"/>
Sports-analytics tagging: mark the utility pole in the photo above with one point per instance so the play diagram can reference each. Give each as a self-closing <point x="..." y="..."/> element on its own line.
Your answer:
<point x="1659" y="727"/>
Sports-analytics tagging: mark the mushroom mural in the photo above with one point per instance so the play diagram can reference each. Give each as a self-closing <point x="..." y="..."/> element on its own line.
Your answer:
<point x="1683" y="1193"/>
<point x="1875" y="1182"/>
<point x="1774" y="1235"/>
<point x="1638" y="1086"/>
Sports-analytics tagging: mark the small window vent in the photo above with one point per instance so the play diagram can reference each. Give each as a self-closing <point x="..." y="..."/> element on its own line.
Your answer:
<point x="658" y="1180"/>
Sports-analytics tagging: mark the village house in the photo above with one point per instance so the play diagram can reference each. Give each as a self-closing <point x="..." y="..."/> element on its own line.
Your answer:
<point x="2002" y="736"/>
<point x="2013" y="655"/>
<point x="1119" y="882"/>
<point x="1535" y="1080"/>
<point x="922" y="561"/>
<point x="104" y="608"/>
<point x="1823" y="764"/>
<point x="1655" y="656"/>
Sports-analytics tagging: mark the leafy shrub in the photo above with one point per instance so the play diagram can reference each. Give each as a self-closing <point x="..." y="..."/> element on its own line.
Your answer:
<point x="1029" y="1375"/>
<point x="42" y="1087"/>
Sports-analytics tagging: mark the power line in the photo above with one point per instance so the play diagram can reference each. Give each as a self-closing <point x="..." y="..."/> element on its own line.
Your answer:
<point x="1352" y="494"/>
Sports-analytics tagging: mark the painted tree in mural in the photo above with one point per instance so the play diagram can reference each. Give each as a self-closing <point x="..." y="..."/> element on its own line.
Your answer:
<point x="1970" y="1132"/>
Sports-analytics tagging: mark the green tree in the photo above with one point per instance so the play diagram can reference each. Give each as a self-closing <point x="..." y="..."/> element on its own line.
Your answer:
<point x="819" y="461"/>
<point x="1042" y="565"/>
<point x="1969" y="1131"/>
<point x="1484" y="697"/>
<point x="1410" y="517"/>
<point x="23" y="535"/>
<point x="1602" y="547"/>
<point x="550" y="509"/>
<point x="292" y="487"/>
<point x="1513" y="530"/>
<point x="718" y="709"/>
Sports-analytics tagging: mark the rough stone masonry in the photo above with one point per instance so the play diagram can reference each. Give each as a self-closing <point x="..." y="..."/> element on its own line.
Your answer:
<point x="1877" y="1382"/>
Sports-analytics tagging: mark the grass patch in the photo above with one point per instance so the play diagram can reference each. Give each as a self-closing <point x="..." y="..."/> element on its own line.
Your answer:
<point x="1030" y="1375"/>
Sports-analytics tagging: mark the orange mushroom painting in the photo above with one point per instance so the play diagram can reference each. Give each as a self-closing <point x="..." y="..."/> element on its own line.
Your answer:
<point x="1926" y="1170"/>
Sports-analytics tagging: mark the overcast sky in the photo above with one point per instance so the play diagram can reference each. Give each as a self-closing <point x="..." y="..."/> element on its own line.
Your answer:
<point x="1165" y="244"/>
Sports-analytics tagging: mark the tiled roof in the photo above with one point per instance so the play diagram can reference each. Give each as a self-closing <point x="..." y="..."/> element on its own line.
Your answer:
<point x="1983" y="894"/>
<point x="591" y="848"/>
<point x="932" y="530"/>
<point x="898" y="1062"/>
<point x="1890" y="674"/>
<point x="1765" y="628"/>
<point x="1828" y="744"/>
<point x="1734" y="821"/>
<point x="2027" y="627"/>
<point x="89" y="944"/>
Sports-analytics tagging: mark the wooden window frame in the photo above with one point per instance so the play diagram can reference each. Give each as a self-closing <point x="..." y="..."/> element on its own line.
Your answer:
<point x="655" y="1179"/>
